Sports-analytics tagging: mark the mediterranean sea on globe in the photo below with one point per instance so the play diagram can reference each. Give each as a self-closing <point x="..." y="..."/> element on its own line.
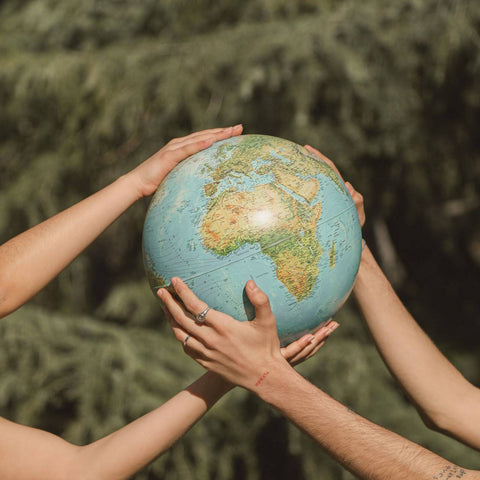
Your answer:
<point x="262" y="208"/>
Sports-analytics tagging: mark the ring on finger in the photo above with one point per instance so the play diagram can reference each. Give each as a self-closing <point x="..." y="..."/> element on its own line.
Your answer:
<point x="186" y="340"/>
<point x="200" y="317"/>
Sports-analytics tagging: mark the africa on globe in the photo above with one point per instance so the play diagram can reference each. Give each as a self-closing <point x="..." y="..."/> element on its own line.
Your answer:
<point x="262" y="208"/>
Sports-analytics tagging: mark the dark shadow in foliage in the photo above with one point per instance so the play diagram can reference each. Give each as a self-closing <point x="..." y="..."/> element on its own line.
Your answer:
<point x="274" y="458"/>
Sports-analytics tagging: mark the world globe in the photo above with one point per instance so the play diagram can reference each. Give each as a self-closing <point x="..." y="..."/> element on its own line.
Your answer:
<point x="262" y="208"/>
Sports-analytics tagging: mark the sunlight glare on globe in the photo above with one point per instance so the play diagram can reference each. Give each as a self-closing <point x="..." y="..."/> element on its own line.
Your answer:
<point x="263" y="218"/>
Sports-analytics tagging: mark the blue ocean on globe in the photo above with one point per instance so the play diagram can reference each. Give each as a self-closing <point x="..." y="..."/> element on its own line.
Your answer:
<point x="262" y="208"/>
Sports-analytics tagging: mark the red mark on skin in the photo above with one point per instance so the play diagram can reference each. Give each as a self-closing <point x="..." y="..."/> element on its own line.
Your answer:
<point x="261" y="379"/>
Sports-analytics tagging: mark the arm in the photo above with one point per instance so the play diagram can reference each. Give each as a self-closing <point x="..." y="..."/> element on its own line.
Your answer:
<point x="248" y="354"/>
<point x="367" y="450"/>
<point x="30" y="453"/>
<point x="32" y="259"/>
<point x="444" y="398"/>
<point x="442" y="395"/>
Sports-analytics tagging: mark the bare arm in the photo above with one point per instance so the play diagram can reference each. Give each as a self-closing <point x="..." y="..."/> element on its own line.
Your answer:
<point x="33" y="258"/>
<point x="248" y="354"/>
<point x="369" y="451"/>
<point x="27" y="453"/>
<point x="443" y="396"/>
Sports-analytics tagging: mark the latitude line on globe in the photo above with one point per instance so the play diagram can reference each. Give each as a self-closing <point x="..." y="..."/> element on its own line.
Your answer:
<point x="255" y="253"/>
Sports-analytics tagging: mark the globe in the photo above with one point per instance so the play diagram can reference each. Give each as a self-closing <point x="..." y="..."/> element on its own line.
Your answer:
<point x="256" y="207"/>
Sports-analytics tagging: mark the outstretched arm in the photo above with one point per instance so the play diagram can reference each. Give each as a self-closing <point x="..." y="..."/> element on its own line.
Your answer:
<point x="248" y="354"/>
<point x="32" y="259"/>
<point x="444" y="398"/>
<point x="27" y="453"/>
<point x="31" y="453"/>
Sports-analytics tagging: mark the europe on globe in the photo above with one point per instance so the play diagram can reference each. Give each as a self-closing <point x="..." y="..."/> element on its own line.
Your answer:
<point x="256" y="207"/>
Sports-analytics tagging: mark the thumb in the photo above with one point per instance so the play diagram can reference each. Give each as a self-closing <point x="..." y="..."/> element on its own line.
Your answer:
<point x="259" y="299"/>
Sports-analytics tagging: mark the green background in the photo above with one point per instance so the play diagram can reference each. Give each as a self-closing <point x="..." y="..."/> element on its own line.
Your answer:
<point x="388" y="90"/>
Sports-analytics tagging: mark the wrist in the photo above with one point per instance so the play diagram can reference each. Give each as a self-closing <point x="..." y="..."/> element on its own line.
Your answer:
<point x="272" y="380"/>
<point x="132" y="184"/>
<point x="217" y="383"/>
<point x="211" y="387"/>
<point x="366" y="258"/>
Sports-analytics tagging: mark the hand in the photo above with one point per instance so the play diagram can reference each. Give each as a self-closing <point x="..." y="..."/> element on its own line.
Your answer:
<point x="308" y="345"/>
<point x="356" y="196"/>
<point x="241" y="352"/>
<point x="148" y="175"/>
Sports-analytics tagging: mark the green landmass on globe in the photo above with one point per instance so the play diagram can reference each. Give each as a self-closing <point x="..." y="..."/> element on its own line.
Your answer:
<point x="235" y="217"/>
<point x="256" y="207"/>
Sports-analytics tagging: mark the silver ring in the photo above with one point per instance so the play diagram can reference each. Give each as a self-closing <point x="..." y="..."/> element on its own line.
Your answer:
<point x="186" y="340"/>
<point x="200" y="318"/>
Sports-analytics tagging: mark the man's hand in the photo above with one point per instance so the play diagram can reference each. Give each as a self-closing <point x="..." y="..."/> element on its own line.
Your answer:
<point x="242" y="352"/>
<point x="148" y="175"/>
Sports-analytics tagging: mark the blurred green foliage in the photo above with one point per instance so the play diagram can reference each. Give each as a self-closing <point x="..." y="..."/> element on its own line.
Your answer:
<point x="388" y="90"/>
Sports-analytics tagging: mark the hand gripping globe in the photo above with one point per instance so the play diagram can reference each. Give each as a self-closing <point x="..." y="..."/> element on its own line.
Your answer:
<point x="262" y="208"/>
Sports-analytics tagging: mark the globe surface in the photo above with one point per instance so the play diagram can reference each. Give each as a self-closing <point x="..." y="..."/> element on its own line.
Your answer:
<point x="262" y="208"/>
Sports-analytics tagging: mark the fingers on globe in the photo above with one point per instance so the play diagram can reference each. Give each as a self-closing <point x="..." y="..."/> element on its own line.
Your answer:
<point x="260" y="301"/>
<point x="294" y="348"/>
<point x="179" y="314"/>
<point x="316" y="342"/>
<point x="191" y="345"/>
<point x="202" y="134"/>
<point x="193" y="304"/>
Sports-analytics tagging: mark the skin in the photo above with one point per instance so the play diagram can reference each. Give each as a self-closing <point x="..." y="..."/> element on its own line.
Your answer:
<point x="248" y="354"/>
<point x="27" y="263"/>
<point x="445" y="400"/>
<point x="44" y="251"/>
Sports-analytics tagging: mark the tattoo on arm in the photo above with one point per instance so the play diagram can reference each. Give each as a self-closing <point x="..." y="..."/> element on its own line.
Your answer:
<point x="450" y="472"/>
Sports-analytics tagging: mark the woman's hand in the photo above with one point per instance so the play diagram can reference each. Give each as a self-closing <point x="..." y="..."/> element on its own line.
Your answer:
<point x="356" y="196"/>
<point x="308" y="345"/>
<point x="148" y="175"/>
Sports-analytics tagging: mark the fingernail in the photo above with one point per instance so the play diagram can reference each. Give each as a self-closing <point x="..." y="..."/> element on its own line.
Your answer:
<point x="332" y="328"/>
<point x="238" y="125"/>
<point x="306" y="339"/>
<point x="174" y="282"/>
<point x="251" y="285"/>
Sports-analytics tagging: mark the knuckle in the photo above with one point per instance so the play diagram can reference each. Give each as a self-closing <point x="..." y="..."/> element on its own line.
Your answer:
<point x="196" y="307"/>
<point x="213" y="344"/>
<point x="178" y="335"/>
<point x="262" y="300"/>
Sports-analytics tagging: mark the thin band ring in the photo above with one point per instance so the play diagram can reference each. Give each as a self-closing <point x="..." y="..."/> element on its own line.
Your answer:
<point x="186" y="340"/>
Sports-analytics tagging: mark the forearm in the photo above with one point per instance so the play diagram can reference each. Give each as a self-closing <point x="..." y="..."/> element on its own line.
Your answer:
<point x="370" y="452"/>
<point x="32" y="259"/>
<point x="434" y="384"/>
<point x="27" y="453"/>
<point x="121" y="454"/>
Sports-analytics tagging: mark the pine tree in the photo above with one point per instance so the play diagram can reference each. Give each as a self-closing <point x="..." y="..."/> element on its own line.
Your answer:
<point x="88" y="90"/>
